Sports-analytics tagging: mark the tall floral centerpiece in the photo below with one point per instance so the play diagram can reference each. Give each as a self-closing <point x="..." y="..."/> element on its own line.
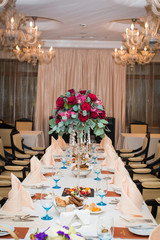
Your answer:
<point x="78" y="111"/>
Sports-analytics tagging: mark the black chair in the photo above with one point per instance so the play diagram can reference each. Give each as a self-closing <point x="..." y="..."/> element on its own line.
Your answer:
<point x="138" y="127"/>
<point x="24" y="124"/>
<point x="154" y="203"/>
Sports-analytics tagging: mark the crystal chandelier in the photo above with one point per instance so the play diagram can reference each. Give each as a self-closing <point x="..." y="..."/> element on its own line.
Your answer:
<point x="155" y="4"/>
<point x="132" y="56"/>
<point x="34" y="53"/>
<point x="24" y="43"/>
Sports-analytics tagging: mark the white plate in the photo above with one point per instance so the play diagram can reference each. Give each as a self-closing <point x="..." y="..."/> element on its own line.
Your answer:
<point x="6" y="233"/>
<point x="141" y="231"/>
<point x="118" y="192"/>
<point x="96" y="213"/>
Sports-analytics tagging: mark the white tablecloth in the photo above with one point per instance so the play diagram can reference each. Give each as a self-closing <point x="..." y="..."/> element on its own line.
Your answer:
<point x="33" y="138"/>
<point x="69" y="180"/>
<point x="135" y="140"/>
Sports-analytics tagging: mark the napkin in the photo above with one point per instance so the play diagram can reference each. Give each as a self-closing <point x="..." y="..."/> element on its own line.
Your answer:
<point x="120" y="173"/>
<point x="155" y="234"/>
<point x="48" y="158"/>
<point x="66" y="218"/>
<point x="131" y="199"/>
<point x="55" y="148"/>
<point x="110" y="157"/>
<point x="61" y="142"/>
<point x="35" y="176"/>
<point x="105" y="141"/>
<point x="18" y="197"/>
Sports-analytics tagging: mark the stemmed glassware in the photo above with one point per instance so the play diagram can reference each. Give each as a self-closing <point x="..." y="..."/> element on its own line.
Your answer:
<point x="94" y="157"/>
<point x="64" y="160"/>
<point x="47" y="203"/>
<point x="56" y="178"/>
<point x="97" y="170"/>
<point x="102" y="191"/>
<point x="105" y="228"/>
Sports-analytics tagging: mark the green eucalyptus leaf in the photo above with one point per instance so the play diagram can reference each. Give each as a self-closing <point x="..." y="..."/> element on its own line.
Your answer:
<point x="104" y="121"/>
<point x="84" y="113"/>
<point x="100" y="125"/>
<point x="52" y="121"/>
<point x="50" y="132"/>
<point x="70" y="130"/>
<point x="54" y="112"/>
<point x="75" y="108"/>
<point x="60" y="124"/>
<point x="64" y="118"/>
<point x="81" y="135"/>
<point x="88" y="99"/>
<point x="74" y="115"/>
<point x="54" y="128"/>
<point x="68" y="94"/>
<point x="100" y="107"/>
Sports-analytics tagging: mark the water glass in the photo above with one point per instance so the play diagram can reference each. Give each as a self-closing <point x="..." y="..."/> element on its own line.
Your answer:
<point x="63" y="160"/>
<point x="47" y="203"/>
<point x="56" y="178"/>
<point x="105" y="228"/>
<point x="102" y="191"/>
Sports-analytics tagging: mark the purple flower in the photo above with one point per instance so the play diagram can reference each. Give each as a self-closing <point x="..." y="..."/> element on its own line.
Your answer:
<point x="60" y="233"/>
<point x="67" y="236"/>
<point x="41" y="236"/>
<point x="66" y="227"/>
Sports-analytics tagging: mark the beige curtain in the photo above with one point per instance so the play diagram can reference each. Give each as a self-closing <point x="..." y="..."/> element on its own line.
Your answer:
<point x="92" y="69"/>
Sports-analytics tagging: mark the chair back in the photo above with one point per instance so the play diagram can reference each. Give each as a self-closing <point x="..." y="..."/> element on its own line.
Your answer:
<point x="138" y="127"/>
<point x="2" y="154"/>
<point x="24" y="124"/>
<point x="5" y="130"/>
<point x="16" y="141"/>
<point x="157" y="156"/>
<point x="145" y="146"/>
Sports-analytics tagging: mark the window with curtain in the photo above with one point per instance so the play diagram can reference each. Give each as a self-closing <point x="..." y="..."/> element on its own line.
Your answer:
<point x="143" y="94"/>
<point x="18" y="83"/>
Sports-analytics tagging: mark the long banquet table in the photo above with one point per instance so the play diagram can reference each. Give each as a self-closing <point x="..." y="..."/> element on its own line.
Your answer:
<point x="69" y="180"/>
<point x="135" y="140"/>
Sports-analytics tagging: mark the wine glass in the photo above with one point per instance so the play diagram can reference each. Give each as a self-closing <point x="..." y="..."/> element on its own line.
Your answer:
<point x="47" y="203"/>
<point x="94" y="157"/>
<point x="63" y="160"/>
<point x="56" y="178"/>
<point x="102" y="191"/>
<point x="105" y="228"/>
<point x="97" y="170"/>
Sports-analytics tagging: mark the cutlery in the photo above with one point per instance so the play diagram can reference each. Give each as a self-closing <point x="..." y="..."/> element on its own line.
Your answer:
<point x="142" y="226"/>
<point x="22" y="220"/>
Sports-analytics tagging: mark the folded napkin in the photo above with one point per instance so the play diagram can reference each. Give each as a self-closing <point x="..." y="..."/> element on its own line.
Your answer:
<point x="105" y="141"/>
<point x="55" y="148"/>
<point x="110" y="157"/>
<point x="131" y="199"/>
<point x="155" y="235"/>
<point x="66" y="218"/>
<point x="61" y="142"/>
<point x="35" y="176"/>
<point x="18" y="197"/>
<point x="120" y="173"/>
<point x="48" y="158"/>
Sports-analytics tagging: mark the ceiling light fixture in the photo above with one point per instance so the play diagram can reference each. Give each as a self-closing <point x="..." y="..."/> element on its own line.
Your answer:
<point x="155" y="4"/>
<point x="132" y="56"/>
<point x="22" y="41"/>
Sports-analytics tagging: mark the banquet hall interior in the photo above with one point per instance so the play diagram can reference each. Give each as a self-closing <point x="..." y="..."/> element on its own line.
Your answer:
<point x="80" y="73"/>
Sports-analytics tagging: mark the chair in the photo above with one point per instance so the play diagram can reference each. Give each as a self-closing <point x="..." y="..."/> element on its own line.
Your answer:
<point x="24" y="124"/>
<point x="138" y="127"/>
<point x="136" y="155"/>
<point x="5" y="130"/>
<point x="154" y="203"/>
<point x="18" y="148"/>
<point x="149" y="166"/>
<point x="16" y="166"/>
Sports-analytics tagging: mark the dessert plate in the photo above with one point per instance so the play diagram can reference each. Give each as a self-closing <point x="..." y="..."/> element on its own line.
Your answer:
<point x="141" y="230"/>
<point x="3" y="232"/>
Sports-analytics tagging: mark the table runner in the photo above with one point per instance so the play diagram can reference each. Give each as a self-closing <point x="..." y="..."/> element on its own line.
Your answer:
<point x="120" y="232"/>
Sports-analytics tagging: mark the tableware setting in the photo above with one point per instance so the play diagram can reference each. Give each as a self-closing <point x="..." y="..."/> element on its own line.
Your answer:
<point x="102" y="189"/>
<point x="47" y="203"/>
<point x="4" y="232"/>
<point x="105" y="228"/>
<point x="141" y="230"/>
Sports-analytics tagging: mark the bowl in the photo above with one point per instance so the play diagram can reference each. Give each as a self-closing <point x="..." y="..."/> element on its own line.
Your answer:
<point x="83" y="173"/>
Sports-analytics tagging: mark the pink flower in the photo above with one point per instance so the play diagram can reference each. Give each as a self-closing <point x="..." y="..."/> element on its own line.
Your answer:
<point x="67" y="114"/>
<point x="80" y="98"/>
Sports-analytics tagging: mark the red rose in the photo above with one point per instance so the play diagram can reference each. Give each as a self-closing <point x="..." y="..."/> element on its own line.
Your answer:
<point x="60" y="102"/>
<point x="86" y="106"/>
<point x="94" y="115"/>
<point x="71" y="91"/>
<point x="82" y="92"/>
<point x="72" y="100"/>
<point x="92" y="96"/>
<point x="58" y="120"/>
<point x="102" y="115"/>
<point x="83" y="118"/>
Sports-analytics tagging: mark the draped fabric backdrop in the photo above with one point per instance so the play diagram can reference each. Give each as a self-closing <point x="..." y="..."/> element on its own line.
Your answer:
<point x="92" y="69"/>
